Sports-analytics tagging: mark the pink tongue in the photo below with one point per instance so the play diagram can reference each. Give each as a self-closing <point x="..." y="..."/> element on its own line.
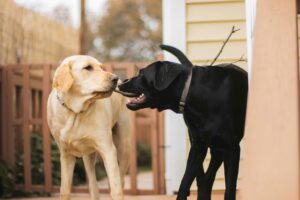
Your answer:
<point x="141" y="99"/>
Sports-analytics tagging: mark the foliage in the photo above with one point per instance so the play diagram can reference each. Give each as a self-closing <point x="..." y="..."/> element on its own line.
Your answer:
<point x="129" y="30"/>
<point x="79" y="177"/>
<point x="6" y="179"/>
<point x="37" y="163"/>
<point x="37" y="159"/>
<point x="144" y="155"/>
<point x="55" y="158"/>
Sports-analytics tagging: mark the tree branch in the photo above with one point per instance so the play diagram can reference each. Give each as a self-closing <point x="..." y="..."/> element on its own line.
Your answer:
<point x="233" y="30"/>
<point x="242" y="59"/>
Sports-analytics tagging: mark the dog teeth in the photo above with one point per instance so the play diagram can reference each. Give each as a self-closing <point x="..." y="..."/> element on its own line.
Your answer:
<point x="137" y="99"/>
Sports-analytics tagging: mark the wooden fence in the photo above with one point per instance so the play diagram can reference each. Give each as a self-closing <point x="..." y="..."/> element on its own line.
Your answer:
<point x="24" y="93"/>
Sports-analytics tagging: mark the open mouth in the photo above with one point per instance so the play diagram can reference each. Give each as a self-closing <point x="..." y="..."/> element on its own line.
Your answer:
<point x="137" y="100"/>
<point x="126" y="94"/>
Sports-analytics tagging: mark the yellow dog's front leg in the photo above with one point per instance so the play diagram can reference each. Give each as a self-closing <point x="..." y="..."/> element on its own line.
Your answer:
<point x="108" y="152"/>
<point x="67" y="168"/>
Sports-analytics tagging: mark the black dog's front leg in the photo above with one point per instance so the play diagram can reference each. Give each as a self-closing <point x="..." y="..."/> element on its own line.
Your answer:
<point x="205" y="183"/>
<point x="194" y="166"/>
<point x="231" y="165"/>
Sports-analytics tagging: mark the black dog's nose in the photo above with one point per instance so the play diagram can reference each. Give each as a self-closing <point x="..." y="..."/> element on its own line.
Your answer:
<point x="114" y="78"/>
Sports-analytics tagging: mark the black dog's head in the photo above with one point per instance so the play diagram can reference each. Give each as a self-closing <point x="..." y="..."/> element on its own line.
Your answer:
<point x="158" y="85"/>
<point x="152" y="86"/>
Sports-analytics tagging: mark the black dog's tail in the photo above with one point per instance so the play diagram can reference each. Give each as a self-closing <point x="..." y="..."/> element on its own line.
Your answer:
<point x="176" y="52"/>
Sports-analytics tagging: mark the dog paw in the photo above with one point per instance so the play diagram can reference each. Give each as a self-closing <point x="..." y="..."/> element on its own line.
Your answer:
<point x="181" y="197"/>
<point x="65" y="196"/>
<point x="117" y="197"/>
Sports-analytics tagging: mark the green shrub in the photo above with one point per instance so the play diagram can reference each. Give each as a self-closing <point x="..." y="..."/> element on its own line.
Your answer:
<point x="37" y="161"/>
<point x="144" y="155"/>
<point x="37" y="164"/>
<point x="55" y="158"/>
<point x="79" y="177"/>
<point x="6" y="179"/>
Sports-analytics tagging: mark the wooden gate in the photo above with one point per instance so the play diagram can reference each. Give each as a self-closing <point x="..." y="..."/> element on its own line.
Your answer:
<point x="24" y="93"/>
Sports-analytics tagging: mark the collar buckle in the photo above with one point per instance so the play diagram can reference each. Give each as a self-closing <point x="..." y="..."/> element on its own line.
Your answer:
<point x="181" y="106"/>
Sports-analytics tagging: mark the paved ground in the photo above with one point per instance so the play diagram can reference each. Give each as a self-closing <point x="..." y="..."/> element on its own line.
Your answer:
<point x="106" y="197"/>
<point x="144" y="179"/>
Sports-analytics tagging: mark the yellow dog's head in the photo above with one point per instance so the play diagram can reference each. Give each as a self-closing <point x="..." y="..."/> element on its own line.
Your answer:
<point x="83" y="76"/>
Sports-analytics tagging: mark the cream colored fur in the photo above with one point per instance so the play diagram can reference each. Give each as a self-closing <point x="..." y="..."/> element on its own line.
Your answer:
<point x="82" y="113"/>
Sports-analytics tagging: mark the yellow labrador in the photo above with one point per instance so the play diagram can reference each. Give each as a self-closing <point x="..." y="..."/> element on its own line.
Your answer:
<point x="86" y="118"/>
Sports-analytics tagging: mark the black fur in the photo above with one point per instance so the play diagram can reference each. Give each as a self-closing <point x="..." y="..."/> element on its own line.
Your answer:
<point x="214" y="113"/>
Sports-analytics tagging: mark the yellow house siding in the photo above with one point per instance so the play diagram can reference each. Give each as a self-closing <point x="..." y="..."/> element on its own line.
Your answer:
<point x="210" y="49"/>
<point x="208" y="24"/>
<point x="214" y="11"/>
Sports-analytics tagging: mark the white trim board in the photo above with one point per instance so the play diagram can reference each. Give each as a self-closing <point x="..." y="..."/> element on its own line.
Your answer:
<point x="250" y="24"/>
<point x="175" y="129"/>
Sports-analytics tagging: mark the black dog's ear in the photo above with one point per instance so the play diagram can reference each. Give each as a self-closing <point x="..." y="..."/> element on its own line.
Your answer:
<point x="164" y="73"/>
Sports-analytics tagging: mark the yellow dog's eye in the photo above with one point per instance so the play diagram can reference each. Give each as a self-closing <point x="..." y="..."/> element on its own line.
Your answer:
<point x="89" y="68"/>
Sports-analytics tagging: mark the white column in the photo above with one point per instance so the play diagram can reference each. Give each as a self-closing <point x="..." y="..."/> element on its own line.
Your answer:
<point x="270" y="169"/>
<point x="175" y="128"/>
<point x="250" y="24"/>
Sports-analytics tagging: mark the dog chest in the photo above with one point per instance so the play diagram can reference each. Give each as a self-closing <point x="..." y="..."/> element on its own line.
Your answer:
<point x="78" y="147"/>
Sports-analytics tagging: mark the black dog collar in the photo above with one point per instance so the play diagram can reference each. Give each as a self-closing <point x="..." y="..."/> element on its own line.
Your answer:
<point x="185" y="92"/>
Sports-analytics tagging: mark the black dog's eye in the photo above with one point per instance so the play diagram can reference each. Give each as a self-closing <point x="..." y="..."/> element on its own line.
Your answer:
<point x="89" y="68"/>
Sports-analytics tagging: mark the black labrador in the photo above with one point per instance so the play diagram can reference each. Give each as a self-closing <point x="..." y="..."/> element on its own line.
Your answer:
<point x="213" y="106"/>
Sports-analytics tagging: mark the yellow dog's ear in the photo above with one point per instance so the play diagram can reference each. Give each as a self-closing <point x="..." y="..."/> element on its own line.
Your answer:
<point x="63" y="79"/>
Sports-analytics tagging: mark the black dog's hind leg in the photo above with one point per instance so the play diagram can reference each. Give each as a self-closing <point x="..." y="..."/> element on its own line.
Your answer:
<point x="205" y="183"/>
<point x="194" y="166"/>
<point x="231" y="166"/>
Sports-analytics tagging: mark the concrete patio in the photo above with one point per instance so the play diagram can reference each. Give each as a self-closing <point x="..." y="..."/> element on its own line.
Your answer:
<point x="107" y="197"/>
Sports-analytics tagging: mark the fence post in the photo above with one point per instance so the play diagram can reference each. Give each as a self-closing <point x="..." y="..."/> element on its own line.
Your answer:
<point x="154" y="149"/>
<point x="10" y="134"/>
<point x="26" y="131"/>
<point x="4" y="110"/>
<point x="46" y="133"/>
<point x="161" y="152"/>
<point x="133" y="155"/>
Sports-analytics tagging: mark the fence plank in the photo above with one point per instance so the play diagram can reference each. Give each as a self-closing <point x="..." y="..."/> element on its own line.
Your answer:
<point x="4" y="108"/>
<point x="161" y="153"/>
<point x="133" y="155"/>
<point x="154" y="150"/>
<point x="26" y="131"/>
<point x="46" y="133"/>
<point x="10" y="134"/>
